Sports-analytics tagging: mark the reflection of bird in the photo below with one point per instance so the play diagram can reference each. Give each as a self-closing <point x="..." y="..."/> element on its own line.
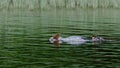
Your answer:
<point x="57" y="39"/>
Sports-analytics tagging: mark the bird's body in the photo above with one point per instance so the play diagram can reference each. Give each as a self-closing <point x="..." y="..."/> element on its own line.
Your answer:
<point x="74" y="39"/>
<point x="71" y="40"/>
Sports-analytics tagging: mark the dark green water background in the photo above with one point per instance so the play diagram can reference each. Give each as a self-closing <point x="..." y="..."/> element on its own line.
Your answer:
<point x="24" y="38"/>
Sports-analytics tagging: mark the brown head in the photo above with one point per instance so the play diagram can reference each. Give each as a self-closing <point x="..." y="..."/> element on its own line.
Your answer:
<point x="94" y="36"/>
<point x="56" y="37"/>
<point x="56" y="42"/>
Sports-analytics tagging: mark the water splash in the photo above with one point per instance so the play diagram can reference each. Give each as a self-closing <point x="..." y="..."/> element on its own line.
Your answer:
<point x="48" y="4"/>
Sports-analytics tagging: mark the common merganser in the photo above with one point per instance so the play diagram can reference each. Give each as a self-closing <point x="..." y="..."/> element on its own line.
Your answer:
<point x="97" y="38"/>
<point x="57" y="39"/>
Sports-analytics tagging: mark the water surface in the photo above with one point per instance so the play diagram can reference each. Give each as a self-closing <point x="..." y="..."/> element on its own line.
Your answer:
<point x="24" y="38"/>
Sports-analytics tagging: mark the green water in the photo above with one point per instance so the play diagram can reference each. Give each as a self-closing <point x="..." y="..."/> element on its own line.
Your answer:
<point x="24" y="39"/>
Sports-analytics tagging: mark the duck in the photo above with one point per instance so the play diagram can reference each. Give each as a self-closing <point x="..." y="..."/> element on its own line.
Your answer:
<point x="96" y="38"/>
<point x="76" y="40"/>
